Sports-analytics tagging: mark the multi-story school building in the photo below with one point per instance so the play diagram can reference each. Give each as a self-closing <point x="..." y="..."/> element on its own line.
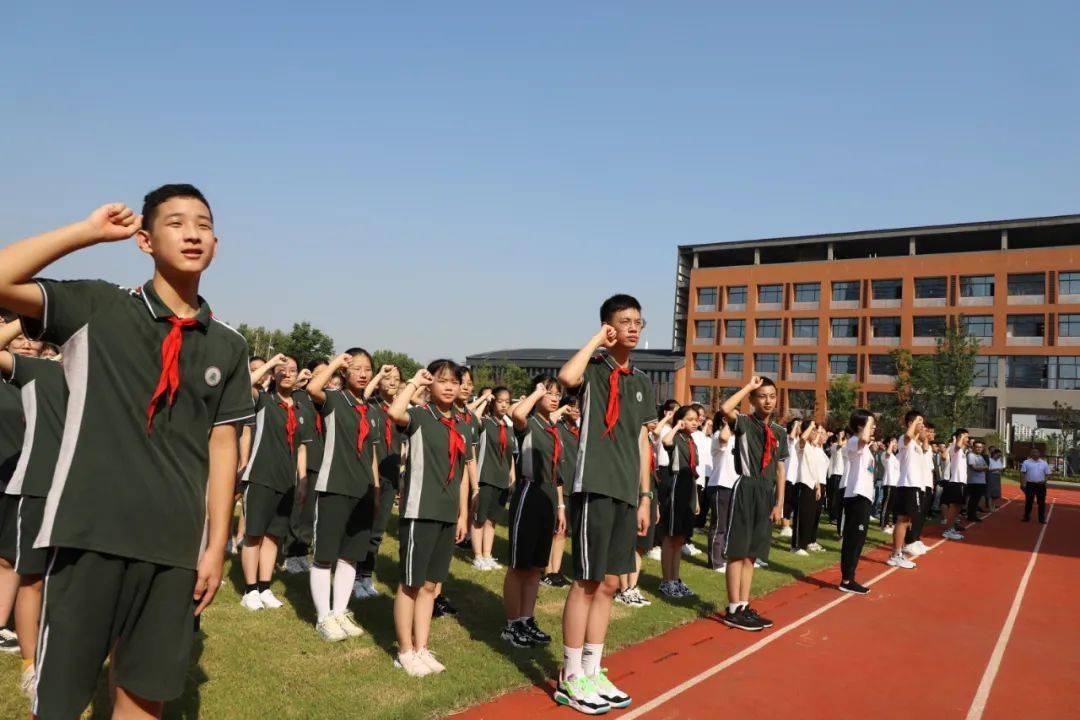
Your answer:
<point x="805" y="309"/>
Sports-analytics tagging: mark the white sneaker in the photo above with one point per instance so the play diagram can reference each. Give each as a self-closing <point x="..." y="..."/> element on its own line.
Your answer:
<point x="252" y="601"/>
<point x="888" y="529"/>
<point x="800" y="551"/>
<point x="690" y="550"/>
<point x="28" y="682"/>
<point x="638" y="599"/>
<point x="815" y="547"/>
<point x="785" y="531"/>
<point x="493" y="564"/>
<point x="330" y="630"/>
<point x="269" y="601"/>
<point x="369" y="587"/>
<point x="621" y="598"/>
<point x="653" y="554"/>
<point x="411" y="663"/>
<point x="952" y="535"/>
<point x="913" y="549"/>
<point x="760" y="564"/>
<point x="900" y="561"/>
<point x="428" y="659"/>
<point x="347" y="623"/>
<point x="922" y="547"/>
<point x="722" y="568"/>
<point x="480" y="563"/>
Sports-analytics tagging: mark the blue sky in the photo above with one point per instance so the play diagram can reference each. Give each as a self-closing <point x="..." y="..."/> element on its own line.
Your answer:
<point x="448" y="178"/>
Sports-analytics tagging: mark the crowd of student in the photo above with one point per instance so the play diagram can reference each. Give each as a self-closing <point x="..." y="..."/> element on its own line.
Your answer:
<point x="132" y="423"/>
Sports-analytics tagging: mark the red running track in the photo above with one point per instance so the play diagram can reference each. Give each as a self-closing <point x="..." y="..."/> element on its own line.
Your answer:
<point x="919" y="645"/>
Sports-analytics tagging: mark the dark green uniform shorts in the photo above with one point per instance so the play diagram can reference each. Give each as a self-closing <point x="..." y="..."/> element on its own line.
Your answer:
<point x="425" y="550"/>
<point x="489" y="503"/>
<point x="604" y="534"/>
<point x="9" y="527"/>
<point x="532" y="526"/>
<point x="28" y="561"/>
<point x="749" y="530"/>
<point x="96" y="604"/>
<point x="343" y="526"/>
<point x="266" y="511"/>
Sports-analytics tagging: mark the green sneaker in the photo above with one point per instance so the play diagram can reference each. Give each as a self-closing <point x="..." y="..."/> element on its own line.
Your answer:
<point x="607" y="691"/>
<point x="580" y="693"/>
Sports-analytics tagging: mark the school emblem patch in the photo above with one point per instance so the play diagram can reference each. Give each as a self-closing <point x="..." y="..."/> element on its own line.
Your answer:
<point x="640" y="397"/>
<point x="212" y="376"/>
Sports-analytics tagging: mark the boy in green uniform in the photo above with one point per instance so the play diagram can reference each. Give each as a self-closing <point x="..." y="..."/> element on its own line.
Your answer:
<point x="757" y="499"/>
<point x="610" y="504"/>
<point x="495" y="470"/>
<point x="149" y="453"/>
<point x="434" y="507"/>
<point x="302" y="521"/>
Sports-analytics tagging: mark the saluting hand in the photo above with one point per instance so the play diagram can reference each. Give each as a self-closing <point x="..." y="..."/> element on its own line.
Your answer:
<point x="112" y="222"/>
<point x="755" y="382"/>
<point x="422" y="378"/>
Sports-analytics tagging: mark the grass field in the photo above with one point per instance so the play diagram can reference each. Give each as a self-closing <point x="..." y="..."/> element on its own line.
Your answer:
<point x="271" y="664"/>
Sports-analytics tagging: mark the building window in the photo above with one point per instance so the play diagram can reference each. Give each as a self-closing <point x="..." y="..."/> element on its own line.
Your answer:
<point x="767" y="363"/>
<point x="807" y="292"/>
<point x="804" y="363"/>
<point x="1027" y="326"/>
<point x="700" y="394"/>
<point x="703" y="362"/>
<point x="845" y="327"/>
<point x="1027" y="284"/>
<point x="886" y="289"/>
<point x="1066" y="371"/>
<point x="706" y="298"/>
<point x="843" y="365"/>
<point x="980" y="326"/>
<point x="1069" y="325"/>
<point x="977" y="286"/>
<point x="735" y="329"/>
<point x="845" y="290"/>
<point x="885" y="326"/>
<point x="930" y="326"/>
<point x="736" y="295"/>
<point x="768" y="328"/>
<point x="1026" y="371"/>
<point x="1069" y="283"/>
<point x="770" y="294"/>
<point x="804" y="327"/>
<point x="985" y="413"/>
<point x="931" y="287"/>
<point x="705" y="329"/>
<point x="733" y="363"/>
<point x="986" y="371"/>
<point x="802" y="400"/>
<point x="882" y="365"/>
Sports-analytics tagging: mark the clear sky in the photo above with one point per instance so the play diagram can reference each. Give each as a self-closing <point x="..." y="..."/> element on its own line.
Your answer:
<point x="448" y="178"/>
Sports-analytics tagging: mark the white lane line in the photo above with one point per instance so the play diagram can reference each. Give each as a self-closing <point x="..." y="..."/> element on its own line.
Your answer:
<point x="978" y="705"/>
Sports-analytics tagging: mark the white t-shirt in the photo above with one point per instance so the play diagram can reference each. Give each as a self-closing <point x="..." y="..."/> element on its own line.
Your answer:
<point x="813" y="466"/>
<point x="859" y="479"/>
<point x="662" y="457"/>
<point x="1034" y="471"/>
<point x="912" y="464"/>
<point x="723" y="462"/>
<point x="837" y="463"/>
<point x="976" y="469"/>
<point x="891" y="476"/>
<point x="703" y="448"/>
<point x="791" y="465"/>
<point x="957" y="465"/>
<point x="928" y="469"/>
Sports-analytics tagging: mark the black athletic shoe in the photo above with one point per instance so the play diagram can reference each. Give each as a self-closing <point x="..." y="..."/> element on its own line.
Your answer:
<point x="741" y="621"/>
<point x="547" y="580"/>
<point x="764" y="621"/>
<point x="517" y="635"/>
<point x="850" y="586"/>
<point x="443" y="603"/>
<point x="541" y="637"/>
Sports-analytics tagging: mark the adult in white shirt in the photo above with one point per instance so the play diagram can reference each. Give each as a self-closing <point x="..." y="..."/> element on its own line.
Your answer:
<point x="952" y="497"/>
<point x="813" y="466"/>
<point x="1033" y="474"/>
<point x="976" y="488"/>
<point x="791" y="474"/>
<point x="834" y="493"/>
<point x="718" y="493"/>
<point x="858" y="498"/>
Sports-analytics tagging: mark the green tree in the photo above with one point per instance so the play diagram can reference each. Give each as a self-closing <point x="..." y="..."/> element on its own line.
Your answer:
<point x="508" y="374"/>
<point x="841" y="397"/>
<point x="262" y="341"/>
<point x="404" y="363"/>
<point x="306" y="342"/>
<point x="1068" y="419"/>
<point x="942" y="382"/>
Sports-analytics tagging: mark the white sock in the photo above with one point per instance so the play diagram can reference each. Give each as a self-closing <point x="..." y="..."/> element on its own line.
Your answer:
<point x="732" y="608"/>
<point x="344" y="577"/>
<point x="744" y="605"/>
<point x="522" y="619"/>
<point x="572" y="662"/>
<point x="319" y="579"/>
<point x="590" y="658"/>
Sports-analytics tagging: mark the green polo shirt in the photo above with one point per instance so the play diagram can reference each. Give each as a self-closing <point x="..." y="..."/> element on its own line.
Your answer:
<point x="611" y="464"/>
<point x="11" y="431"/>
<point x="44" y="399"/>
<point x="537" y="454"/>
<point x="307" y="415"/>
<point x="118" y="488"/>
<point x="679" y="454"/>
<point x="570" y="438"/>
<point x="389" y="446"/>
<point x="344" y="470"/>
<point x="750" y="442"/>
<point x="468" y="417"/>
<point x="273" y="462"/>
<point x="493" y="464"/>
<point x="428" y="495"/>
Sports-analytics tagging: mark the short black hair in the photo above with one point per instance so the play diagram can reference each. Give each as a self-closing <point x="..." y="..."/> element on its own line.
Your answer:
<point x="568" y="399"/>
<point x="960" y="431"/>
<point x="683" y="411"/>
<point x="253" y="358"/>
<point x="616" y="303"/>
<point x="791" y="424"/>
<point x="312" y="364"/>
<point x="910" y="416"/>
<point x="765" y="382"/>
<point x="354" y="351"/>
<point x="153" y="199"/>
<point x="669" y="406"/>
<point x="547" y="380"/>
<point x="858" y="420"/>
<point x="437" y="366"/>
<point x="928" y="425"/>
<point x="462" y="371"/>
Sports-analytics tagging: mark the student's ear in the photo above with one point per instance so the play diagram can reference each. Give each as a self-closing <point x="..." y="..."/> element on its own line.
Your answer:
<point x="142" y="239"/>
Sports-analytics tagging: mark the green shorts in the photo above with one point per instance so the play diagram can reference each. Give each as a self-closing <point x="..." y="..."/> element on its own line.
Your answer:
<point x="266" y="511"/>
<point x="9" y="527"/>
<point x="98" y="604"/>
<point x="532" y="526"/>
<point x="489" y="504"/>
<point x="605" y="535"/>
<point x="28" y="559"/>
<point x="749" y="529"/>
<point x="424" y="550"/>
<point x="343" y="526"/>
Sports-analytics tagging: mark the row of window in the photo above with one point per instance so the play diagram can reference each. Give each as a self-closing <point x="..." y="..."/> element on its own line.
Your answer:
<point x="928" y="288"/>
<point x="932" y="326"/>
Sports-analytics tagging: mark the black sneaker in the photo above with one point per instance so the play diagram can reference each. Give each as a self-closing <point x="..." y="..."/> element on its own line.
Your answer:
<point x="541" y="637"/>
<point x="443" y="603"/>
<point x="559" y="580"/>
<point x="9" y="643"/>
<point x="741" y="621"/>
<point x="547" y="580"/>
<point x="850" y="586"/>
<point x="764" y="621"/>
<point x="517" y="635"/>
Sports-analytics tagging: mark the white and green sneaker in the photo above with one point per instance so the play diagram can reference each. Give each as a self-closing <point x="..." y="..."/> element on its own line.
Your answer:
<point x="607" y="691"/>
<point x="581" y="694"/>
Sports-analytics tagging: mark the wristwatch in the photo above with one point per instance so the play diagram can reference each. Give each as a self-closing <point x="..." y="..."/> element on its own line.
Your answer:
<point x="651" y="495"/>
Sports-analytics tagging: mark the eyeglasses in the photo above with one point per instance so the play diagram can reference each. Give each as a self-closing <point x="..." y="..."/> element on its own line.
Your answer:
<point x="627" y="324"/>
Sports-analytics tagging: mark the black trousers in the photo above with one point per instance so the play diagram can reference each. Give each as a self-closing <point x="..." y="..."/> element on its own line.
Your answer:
<point x="888" y="517"/>
<point x="853" y="525"/>
<point x="804" y="526"/>
<point x="975" y="494"/>
<point x="834" y="499"/>
<point x="914" y="531"/>
<point x="1033" y="492"/>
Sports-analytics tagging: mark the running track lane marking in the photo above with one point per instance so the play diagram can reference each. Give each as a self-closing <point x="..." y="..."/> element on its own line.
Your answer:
<point x="978" y="705"/>
<point x="748" y="651"/>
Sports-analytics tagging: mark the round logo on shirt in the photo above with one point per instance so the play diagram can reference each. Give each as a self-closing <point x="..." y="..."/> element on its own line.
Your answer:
<point x="300" y="420"/>
<point x="640" y="397"/>
<point x="212" y="376"/>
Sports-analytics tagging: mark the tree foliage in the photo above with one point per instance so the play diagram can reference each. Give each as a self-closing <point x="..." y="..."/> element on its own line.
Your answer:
<point x="404" y="363"/>
<point x="508" y="374"/>
<point x="841" y="398"/>
<point x="941" y="384"/>
<point x="304" y="341"/>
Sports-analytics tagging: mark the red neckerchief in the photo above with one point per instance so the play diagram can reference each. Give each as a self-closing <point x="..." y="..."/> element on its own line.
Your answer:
<point x="169" y="381"/>
<point x="318" y="424"/>
<point x="290" y="422"/>
<point x="574" y="430"/>
<point x="362" y="427"/>
<point x="556" y="453"/>
<point x="692" y="448"/>
<point x="770" y="443"/>
<point x="388" y="430"/>
<point x="611" y="415"/>
<point x="457" y="444"/>
<point x="502" y="437"/>
<point x="652" y="457"/>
